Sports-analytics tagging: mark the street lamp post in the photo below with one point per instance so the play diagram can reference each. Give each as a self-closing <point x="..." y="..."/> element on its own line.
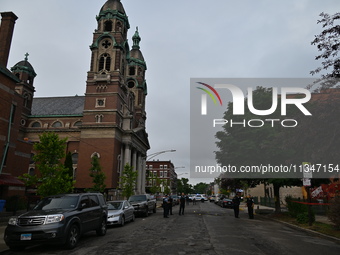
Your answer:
<point x="157" y="153"/>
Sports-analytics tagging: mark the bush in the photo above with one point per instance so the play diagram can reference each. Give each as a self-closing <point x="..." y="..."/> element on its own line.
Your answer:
<point x="334" y="211"/>
<point x="303" y="218"/>
<point x="298" y="210"/>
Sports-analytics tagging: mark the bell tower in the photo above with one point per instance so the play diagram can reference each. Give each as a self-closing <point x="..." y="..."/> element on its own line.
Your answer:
<point x="114" y="113"/>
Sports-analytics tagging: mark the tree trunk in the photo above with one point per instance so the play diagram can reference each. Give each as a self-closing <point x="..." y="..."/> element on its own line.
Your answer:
<point x="277" y="197"/>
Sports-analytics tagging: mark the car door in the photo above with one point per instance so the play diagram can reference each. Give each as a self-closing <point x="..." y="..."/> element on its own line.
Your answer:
<point x="129" y="210"/>
<point x="96" y="212"/>
<point x="84" y="214"/>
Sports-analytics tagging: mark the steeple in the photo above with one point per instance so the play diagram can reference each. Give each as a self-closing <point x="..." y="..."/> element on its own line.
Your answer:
<point x="136" y="39"/>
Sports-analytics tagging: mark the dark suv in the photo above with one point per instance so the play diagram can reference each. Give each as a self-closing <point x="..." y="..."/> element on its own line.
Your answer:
<point x="58" y="219"/>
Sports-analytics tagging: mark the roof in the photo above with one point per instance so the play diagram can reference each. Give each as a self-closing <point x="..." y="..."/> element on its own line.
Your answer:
<point x="47" y="106"/>
<point x="113" y="5"/>
<point x="9" y="180"/>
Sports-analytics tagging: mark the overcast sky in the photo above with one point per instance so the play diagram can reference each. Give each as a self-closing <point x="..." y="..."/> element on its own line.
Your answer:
<point x="180" y="40"/>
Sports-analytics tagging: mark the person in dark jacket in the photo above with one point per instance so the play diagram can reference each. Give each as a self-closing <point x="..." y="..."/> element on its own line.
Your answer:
<point x="171" y="200"/>
<point x="236" y="204"/>
<point x="182" y="200"/>
<point x="250" y="205"/>
<point x="166" y="207"/>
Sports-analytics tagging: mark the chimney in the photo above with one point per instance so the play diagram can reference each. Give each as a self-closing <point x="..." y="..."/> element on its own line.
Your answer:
<point x="6" y="34"/>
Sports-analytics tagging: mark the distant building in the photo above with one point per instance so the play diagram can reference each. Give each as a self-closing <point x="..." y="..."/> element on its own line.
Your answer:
<point x="161" y="174"/>
<point x="108" y="121"/>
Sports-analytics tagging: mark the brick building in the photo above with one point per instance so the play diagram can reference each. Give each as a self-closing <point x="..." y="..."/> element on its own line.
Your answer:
<point x="108" y="121"/>
<point x="161" y="174"/>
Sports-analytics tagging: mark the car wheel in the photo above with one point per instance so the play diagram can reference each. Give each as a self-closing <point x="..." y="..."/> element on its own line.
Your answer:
<point x="133" y="217"/>
<point x="101" y="231"/>
<point x="72" y="237"/>
<point x="146" y="213"/>
<point x="122" y="221"/>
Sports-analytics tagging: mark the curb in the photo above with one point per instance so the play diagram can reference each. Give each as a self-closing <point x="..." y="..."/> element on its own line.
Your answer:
<point x="331" y="238"/>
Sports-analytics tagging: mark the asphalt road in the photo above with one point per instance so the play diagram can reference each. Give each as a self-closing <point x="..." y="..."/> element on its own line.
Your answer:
<point x="204" y="229"/>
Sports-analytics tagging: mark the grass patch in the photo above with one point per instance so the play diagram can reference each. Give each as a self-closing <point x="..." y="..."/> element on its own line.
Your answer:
<point x="327" y="229"/>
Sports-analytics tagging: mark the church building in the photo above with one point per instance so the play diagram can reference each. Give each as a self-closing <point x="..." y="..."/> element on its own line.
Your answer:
<point x="107" y="122"/>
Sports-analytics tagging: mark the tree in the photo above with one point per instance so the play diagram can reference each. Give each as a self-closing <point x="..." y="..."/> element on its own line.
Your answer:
<point x="68" y="164"/>
<point x="54" y="177"/>
<point x="201" y="188"/>
<point x="128" y="181"/>
<point x="247" y="146"/>
<point x="98" y="176"/>
<point x="183" y="186"/>
<point x="328" y="43"/>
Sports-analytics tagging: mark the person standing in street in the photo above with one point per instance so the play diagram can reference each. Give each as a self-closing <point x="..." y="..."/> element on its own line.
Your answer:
<point x="250" y="205"/>
<point x="187" y="199"/>
<point x="171" y="200"/>
<point x="166" y="207"/>
<point x="182" y="204"/>
<point x="236" y="205"/>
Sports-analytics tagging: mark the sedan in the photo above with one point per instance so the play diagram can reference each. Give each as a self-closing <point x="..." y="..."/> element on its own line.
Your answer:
<point x="227" y="203"/>
<point x="119" y="212"/>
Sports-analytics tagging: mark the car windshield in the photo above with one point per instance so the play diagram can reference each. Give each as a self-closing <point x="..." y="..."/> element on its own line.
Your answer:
<point x="136" y="198"/>
<point x="65" y="202"/>
<point x="114" y="205"/>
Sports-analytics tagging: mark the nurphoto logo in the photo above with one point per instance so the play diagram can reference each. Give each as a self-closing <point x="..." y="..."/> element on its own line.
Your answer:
<point x="238" y="101"/>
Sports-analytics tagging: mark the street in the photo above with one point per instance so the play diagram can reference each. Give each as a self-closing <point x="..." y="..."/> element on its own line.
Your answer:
<point x="204" y="229"/>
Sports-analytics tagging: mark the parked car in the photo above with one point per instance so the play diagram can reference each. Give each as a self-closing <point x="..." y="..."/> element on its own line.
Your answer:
<point x="58" y="219"/>
<point x="175" y="199"/>
<point x="119" y="212"/>
<point x="212" y="198"/>
<point x="227" y="203"/>
<point x="143" y="204"/>
<point x="198" y="198"/>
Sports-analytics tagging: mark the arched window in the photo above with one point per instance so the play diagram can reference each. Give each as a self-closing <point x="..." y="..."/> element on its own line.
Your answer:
<point x="104" y="62"/>
<point x="99" y="118"/>
<point x="36" y="124"/>
<point x="95" y="154"/>
<point x="118" y="26"/>
<point x="108" y="26"/>
<point x="57" y="124"/>
<point x="75" y="158"/>
<point x="31" y="159"/>
<point x="31" y="172"/>
<point x="132" y="70"/>
<point x="77" y="123"/>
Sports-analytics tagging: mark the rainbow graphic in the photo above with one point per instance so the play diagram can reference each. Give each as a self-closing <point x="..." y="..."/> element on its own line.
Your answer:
<point x="209" y="92"/>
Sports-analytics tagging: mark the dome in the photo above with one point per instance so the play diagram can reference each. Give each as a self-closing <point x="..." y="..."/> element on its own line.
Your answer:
<point x="113" y="5"/>
<point x="136" y="54"/>
<point x="24" y="66"/>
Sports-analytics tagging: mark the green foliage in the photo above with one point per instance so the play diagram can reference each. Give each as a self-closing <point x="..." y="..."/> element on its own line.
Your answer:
<point x="183" y="186"/>
<point x="98" y="176"/>
<point x="328" y="43"/>
<point x="201" y="188"/>
<point x="303" y="218"/>
<point x="334" y="211"/>
<point x="298" y="210"/>
<point x="128" y="181"/>
<point x="54" y="178"/>
<point x="69" y="164"/>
